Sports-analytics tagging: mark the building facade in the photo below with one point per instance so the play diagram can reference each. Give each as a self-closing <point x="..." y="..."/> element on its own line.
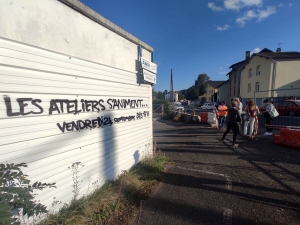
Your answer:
<point x="70" y="96"/>
<point x="211" y="94"/>
<point x="171" y="97"/>
<point x="270" y="74"/>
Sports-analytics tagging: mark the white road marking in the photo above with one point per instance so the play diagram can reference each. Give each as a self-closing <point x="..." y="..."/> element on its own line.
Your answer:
<point x="227" y="213"/>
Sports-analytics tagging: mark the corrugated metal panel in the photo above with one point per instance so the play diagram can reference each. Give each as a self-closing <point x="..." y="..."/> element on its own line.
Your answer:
<point x="38" y="130"/>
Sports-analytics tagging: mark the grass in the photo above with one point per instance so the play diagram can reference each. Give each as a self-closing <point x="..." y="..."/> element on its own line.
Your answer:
<point x="117" y="201"/>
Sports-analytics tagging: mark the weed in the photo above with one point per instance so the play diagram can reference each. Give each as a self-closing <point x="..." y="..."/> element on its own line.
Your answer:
<point x="116" y="201"/>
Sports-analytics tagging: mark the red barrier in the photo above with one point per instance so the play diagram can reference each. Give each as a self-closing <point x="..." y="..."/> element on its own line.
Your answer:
<point x="204" y="117"/>
<point x="288" y="137"/>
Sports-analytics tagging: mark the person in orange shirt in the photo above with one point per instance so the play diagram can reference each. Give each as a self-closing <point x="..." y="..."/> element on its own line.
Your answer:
<point x="222" y="112"/>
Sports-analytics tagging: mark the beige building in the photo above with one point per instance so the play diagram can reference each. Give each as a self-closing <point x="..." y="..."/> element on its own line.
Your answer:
<point x="212" y="90"/>
<point x="271" y="74"/>
<point x="235" y="78"/>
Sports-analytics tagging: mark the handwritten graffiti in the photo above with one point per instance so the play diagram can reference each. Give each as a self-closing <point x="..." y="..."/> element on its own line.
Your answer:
<point x="23" y="102"/>
<point x="124" y="118"/>
<point x="60" y="106"/>
<point x="99" y="122"/>
<point x="123" y="103"/>
<point x="140" y="115"/>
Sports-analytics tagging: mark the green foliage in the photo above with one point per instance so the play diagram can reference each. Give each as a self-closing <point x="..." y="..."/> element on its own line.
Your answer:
<point x="160" y="95"/>
<point x="201" y="82"/>
<point x="116" y="201"/>
<point x="181" y="97"/>
<point x="168" y="113"/>
<point x="17" y="193"/>
<point x="157" y="95"/>
<point x="192" y="93"/>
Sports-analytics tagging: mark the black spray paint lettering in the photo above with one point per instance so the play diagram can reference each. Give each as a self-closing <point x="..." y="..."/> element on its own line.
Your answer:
<point x="23" y="102"/>
<point x="72" y="106"/>
<point x="85" y="124"/>
<point x="140" y="115"/>
<point x="123" y="103"/>
<point x="124" y="118"/>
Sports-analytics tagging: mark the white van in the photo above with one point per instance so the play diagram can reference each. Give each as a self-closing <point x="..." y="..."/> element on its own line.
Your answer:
<point x="178" y="106"/>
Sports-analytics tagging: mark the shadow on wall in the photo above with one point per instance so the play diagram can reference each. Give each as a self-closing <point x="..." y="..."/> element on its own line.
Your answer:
<point x="109" y="148"/>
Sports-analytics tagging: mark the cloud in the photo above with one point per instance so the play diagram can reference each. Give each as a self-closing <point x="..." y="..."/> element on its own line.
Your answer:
<point x="255" y="50"/>
<point x="258" y="14"/>
<point x="223" y="72"/>
<point x="225" y="27"/>
<point x="213" y="7"/>
<point x="247" y="16"/>
<point x="290" y="4"/>
<point x="280" y="5"/>
<point x="263" y="14"/>
<point x="238" y="4"/>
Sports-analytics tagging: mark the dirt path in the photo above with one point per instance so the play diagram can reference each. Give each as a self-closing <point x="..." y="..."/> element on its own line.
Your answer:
<point x="210" y="182"/>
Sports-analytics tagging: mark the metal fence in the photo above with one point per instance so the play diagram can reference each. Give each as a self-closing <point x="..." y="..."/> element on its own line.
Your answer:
<point x="287" y="103"/>
<point x="158" y="110"/>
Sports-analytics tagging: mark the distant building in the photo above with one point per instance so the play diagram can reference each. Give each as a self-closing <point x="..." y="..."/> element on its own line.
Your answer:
<point x="223" y="92"/>
<point x="271" y="75"/>
<point x="169" y="97"/>
<point x="211" y="94"/>
<point x="235" y="78"/>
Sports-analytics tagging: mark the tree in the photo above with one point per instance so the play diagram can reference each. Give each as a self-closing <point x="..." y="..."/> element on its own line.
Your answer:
<point x="181" y="97"/>
<point x="154" y="94"/>
<point x="201" y="83"/>
<point x="160" y="95"/>
<point x="192" y="93"/>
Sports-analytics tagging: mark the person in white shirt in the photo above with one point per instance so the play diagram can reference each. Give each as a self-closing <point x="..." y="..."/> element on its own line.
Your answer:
<point x="239" y="105"/>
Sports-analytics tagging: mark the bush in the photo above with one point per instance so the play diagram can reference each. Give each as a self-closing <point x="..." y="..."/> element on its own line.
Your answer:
<point x="168" y="113"/>
<point x="17" y="193"/>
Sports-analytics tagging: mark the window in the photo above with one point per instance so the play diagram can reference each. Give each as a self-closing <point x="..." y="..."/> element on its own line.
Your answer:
<point x="257" y="86"/>
<point x="249" y="87"/>
<point x="250" y="72"/>
<point x="258" y="70"/>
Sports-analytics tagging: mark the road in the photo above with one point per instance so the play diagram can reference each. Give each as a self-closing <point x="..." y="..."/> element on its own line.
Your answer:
<point x="209" y="182"/>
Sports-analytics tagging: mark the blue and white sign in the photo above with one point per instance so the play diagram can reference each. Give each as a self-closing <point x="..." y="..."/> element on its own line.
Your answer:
<point x="150" y="66"/>
<point x="150" y="77"/>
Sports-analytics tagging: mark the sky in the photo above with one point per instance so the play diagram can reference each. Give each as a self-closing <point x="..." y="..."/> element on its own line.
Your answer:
<point x="204" y="36"/>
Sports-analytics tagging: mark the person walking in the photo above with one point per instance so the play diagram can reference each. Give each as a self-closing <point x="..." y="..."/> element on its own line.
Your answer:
<point x="251" y="119"/>
<point x="268" y="118"/>
<point x="239" y="105"/>
<point x="222" y="113"/>
<point x="233" y="118"/>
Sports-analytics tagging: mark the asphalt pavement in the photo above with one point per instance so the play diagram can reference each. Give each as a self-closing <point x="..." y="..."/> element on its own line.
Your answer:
<point x="209" y="182"/>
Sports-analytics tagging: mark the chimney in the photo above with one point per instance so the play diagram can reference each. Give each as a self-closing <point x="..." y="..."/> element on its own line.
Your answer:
<point x="247" y="55"/>
<point x="278" y="50"/>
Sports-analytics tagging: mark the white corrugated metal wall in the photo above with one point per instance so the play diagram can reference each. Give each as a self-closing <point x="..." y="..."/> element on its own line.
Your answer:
<point x="32" y="126"/>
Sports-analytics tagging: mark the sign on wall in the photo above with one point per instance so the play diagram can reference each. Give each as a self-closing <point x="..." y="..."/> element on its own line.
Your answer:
<point x="150" y="77"/>
<point x="149" y="70"/>
<point x="150" y="66"/>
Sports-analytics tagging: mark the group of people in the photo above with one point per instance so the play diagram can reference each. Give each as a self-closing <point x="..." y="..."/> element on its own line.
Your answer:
<point x="234" y="119"/>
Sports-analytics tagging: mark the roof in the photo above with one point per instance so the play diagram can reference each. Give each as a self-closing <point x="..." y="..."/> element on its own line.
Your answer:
<point x="237" y="65"/>
<point x="216" y="84"/>
<point x="223" y="83"/>
<point x="274" y="56"/>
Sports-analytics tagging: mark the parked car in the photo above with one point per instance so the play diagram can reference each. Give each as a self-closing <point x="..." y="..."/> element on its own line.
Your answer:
<point x="178" y="106"/>
<point x="286" y="107"/>
<point x="207" y="105"/>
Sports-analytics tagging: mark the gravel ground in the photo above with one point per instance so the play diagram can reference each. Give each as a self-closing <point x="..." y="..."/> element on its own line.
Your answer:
<point x="209" y="182"/>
